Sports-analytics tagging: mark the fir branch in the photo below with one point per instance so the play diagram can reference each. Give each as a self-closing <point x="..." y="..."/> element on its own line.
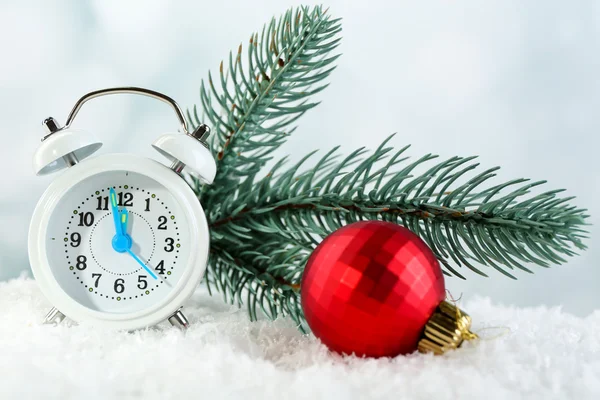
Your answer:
<point x="256" y="275"/>
<point x="264" y="229"/>
<point x="253" y="105"/>
<point x="499" y="227"/>
<point x="252" y="109"/>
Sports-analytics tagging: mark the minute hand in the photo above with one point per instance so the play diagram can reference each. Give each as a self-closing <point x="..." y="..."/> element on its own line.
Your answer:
<point x="136" y="258"/>
<point x="123" y="224"/>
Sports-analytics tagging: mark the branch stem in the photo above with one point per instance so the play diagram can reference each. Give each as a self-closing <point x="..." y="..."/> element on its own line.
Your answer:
<point x="422" y="211"/>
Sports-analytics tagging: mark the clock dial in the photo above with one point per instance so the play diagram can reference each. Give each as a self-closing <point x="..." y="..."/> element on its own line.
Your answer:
<point x="80" y="243"/>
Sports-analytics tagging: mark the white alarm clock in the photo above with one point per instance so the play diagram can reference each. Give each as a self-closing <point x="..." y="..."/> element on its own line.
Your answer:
<point x="119" y="240"/>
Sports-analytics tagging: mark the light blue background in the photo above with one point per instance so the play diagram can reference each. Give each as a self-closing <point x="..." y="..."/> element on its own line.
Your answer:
<point x="514" y="82"/>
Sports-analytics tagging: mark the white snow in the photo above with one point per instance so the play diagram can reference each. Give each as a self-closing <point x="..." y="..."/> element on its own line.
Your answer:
<point x="541" y="353"/>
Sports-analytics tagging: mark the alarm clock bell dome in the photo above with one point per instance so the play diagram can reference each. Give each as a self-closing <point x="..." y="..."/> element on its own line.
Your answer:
<point x="63" y="148"/>
<point x="189" y="150"/>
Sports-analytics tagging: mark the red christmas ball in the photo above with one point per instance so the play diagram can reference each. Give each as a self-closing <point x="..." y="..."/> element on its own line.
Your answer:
<point x="369" y="288"/>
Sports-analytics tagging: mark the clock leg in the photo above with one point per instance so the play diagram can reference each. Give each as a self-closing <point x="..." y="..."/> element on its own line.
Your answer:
<point x="54" y="316"/>
<point x="179" y="320"/>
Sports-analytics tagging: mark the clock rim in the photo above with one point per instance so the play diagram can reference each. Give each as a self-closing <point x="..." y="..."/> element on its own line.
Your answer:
<point x="194" y="268"/>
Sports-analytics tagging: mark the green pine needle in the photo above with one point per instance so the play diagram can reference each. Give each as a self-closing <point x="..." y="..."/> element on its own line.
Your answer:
<point x="265" y="225"/>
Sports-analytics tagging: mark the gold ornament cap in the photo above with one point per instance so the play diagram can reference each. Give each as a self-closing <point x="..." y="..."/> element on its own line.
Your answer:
<point x="446" y="330"/>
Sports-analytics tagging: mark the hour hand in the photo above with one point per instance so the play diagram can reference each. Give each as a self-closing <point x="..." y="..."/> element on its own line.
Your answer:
<point x="124" y="216"/>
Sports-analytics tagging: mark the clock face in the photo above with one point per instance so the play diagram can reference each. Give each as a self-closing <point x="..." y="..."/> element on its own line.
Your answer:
<point x="100" y="276"/>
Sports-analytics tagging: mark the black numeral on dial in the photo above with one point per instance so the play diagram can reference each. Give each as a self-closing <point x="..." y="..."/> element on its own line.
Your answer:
<point x="160" y="267"/>
<point x="102" y="203"/>
<point x="75" y="239"/>
<point x="142" y="282"/>
<point x="119" y="285"/>
<point x="81" y="262"/>
<point x="169" y="247"/>
<point x="162" y="222"/>
<point x="147" y="205"/>
<point x="97" y="278"/>
<point x="125" y="199"/>
<point x="86" y="219"/>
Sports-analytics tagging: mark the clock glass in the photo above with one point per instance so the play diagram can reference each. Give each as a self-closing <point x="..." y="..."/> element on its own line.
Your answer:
<point x="118" y="242"/>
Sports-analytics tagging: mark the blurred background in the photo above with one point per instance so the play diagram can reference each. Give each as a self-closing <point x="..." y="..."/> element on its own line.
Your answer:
<point x="514" y="82"/>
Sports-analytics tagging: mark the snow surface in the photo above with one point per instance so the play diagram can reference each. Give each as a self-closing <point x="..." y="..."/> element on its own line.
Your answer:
<point x="540" y="353"/>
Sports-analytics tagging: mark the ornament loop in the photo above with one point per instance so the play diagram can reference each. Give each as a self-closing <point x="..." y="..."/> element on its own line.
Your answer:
<point x="447" y="329"/>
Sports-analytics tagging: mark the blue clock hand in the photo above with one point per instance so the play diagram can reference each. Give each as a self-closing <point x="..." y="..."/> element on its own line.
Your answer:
<point x="124" y="214"/>
<point x="136" y="258"/>
<point x="124" y="218"/>
<point x="123" y="223"/>
<point x="115" y="212"/>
